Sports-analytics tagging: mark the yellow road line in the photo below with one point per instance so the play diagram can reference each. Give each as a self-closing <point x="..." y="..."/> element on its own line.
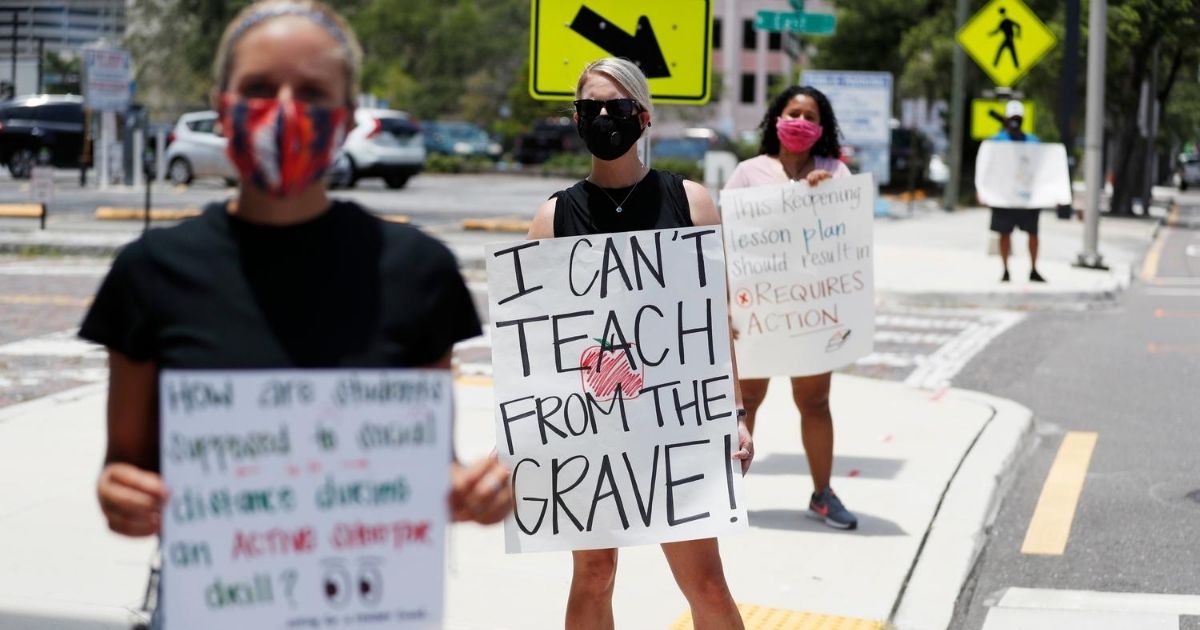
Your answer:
<point x="109" y="213"/>
<point x="42" y="300"/>
<point x="763" y="618"/>
<point x="1050" y="526"/>
<point x="394" y="218"/>
<point x="22" y="210"/>
<point x="1150" y="265"/>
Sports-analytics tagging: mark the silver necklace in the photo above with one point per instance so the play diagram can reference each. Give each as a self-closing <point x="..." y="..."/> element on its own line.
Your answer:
<point x="620" y="206"/>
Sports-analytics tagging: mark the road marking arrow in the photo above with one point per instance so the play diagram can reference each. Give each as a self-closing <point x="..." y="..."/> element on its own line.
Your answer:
<point x="641" y="48"/>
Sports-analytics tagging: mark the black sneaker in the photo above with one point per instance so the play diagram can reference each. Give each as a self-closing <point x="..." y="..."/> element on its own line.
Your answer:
<point x="1005" y="277"/>
<point x="1034" y="276"/>
<point x="826" y="506"/>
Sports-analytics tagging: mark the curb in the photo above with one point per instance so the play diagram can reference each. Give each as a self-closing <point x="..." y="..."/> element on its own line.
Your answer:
<point x="21" y="210"/>
<point x="514" y="226"/>
<point x="109" y="213"/>
<point x="961" y="526"/>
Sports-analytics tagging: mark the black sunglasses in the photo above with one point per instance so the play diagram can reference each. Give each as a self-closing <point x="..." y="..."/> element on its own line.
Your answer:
<point x="617" y="107"/>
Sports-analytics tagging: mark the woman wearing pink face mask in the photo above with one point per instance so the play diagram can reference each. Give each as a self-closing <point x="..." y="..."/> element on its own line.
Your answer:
<point x="800" y="142"/>
<point x="281" y="276"/>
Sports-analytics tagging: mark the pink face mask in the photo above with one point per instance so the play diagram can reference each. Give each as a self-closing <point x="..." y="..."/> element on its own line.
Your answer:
<point x="797" y="134"/>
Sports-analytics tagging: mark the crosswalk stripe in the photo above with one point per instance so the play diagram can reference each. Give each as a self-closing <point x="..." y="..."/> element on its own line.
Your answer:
<point x="1066" y="599"/>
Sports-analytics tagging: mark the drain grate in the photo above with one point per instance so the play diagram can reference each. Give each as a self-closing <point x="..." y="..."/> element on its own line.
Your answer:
<point x="1194" y="495"/>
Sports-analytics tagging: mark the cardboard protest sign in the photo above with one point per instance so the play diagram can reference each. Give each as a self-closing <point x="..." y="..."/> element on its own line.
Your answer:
<point x="614" y="391"/>
<point x="304" y="498"/>
<point x="801" y="275"/>
<point x="1022" y="175"/>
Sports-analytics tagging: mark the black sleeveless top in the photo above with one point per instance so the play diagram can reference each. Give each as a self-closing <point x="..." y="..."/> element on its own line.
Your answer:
<point x="657" y="202"/>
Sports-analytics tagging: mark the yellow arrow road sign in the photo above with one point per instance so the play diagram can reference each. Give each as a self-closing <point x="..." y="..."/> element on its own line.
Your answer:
<point x="1006" y="39"/>
<point x="984" y="125"/>
<point x="671" y="40"/>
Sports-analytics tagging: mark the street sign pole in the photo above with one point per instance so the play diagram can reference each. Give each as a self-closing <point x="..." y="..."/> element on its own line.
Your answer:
<point x="1094" y="156"/>
<point x="957" y="103"/>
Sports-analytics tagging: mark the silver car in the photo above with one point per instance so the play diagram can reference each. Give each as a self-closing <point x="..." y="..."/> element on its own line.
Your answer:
<point x="1187" y="172"/>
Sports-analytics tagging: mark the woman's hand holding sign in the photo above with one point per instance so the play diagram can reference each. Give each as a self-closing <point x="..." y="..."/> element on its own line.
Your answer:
<point x="132" y="499"/>
<point x="817" y="176"/>
<point x="481" y="492"/>
<point x="745" y="452"/>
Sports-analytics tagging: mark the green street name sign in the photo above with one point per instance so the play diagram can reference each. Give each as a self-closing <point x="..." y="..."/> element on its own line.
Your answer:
<point x="795" y="22"/>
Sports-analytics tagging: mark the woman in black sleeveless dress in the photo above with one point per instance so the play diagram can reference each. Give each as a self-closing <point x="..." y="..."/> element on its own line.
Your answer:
<point x="622" y="195"/>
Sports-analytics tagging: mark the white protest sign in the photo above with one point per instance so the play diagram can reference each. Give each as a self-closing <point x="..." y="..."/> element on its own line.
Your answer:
<point x="1022" y="175"/>
<point x="614" y="391"/>
<point x="304" y="498"/>
<point x="801" y="275"/>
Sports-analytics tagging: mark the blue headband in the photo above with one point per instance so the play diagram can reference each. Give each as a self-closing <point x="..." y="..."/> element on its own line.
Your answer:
<point x="281" y="10"/>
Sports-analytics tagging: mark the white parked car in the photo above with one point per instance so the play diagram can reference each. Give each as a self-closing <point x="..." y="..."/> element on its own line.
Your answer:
<point x="384" y="143"/>
<point x="196" y="149"/>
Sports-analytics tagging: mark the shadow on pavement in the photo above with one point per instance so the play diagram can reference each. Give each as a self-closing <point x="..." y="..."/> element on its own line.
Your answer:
<point x="843" y="466"/>
<point x="797" y="521"/>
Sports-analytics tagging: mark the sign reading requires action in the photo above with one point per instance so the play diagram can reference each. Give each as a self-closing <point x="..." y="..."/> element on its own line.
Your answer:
<point x="305" y="498"/>
<point x="1006" y="39"/>
<point x="671" y="41"/>
<point x="801" y="275"/>
<point x="614" y="390"/>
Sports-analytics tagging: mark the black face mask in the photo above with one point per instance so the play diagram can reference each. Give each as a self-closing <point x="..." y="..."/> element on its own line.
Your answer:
<point x="609" y="138"/>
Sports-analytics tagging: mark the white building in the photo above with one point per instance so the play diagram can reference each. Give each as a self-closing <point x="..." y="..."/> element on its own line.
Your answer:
<point x="61" y="26"/>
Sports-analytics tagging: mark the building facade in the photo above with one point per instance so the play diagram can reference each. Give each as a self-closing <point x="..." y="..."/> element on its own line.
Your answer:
<point x="53" y="26"/>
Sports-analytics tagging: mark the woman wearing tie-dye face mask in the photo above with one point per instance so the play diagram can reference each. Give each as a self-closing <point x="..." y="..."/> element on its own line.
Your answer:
<point x="280" y="277"/>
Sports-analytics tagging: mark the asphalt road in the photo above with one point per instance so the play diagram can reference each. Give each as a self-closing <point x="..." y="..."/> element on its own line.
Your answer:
<point x="429" y="199"/>
<point x="1127" y="372"/>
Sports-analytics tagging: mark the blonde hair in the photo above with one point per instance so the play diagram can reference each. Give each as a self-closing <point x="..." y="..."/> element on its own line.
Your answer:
<point x="313" y="10"/>
<point x="625" y="73"/>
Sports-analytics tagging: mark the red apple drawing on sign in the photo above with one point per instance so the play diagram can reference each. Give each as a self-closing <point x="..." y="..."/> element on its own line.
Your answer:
<point x="605" y="368"/>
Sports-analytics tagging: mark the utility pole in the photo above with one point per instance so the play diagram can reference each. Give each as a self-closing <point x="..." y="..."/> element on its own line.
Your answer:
<point x="1066" y="95"/>
<point x="957" y="122"/>
<point x="13" y="71"/>
<point x="41" y="53"/>
<point x="1094" y="156"/>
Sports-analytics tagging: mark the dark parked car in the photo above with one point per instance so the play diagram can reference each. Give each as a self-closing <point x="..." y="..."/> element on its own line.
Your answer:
<point x="459" y="138"/>
<point x="40" y="130"/>
<point x="692" y="144"/>
<point x="909" y="159"/>
<point x="547" y="137"/>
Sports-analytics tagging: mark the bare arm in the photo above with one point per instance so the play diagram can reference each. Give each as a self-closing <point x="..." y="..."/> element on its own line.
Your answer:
<point x="543" y="221"/>
<point x="704" y="212"/>
<point x="131" y="496"/>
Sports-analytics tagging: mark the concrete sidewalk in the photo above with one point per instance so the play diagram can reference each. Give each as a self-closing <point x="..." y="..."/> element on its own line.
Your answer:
<point x="920" y="468"/>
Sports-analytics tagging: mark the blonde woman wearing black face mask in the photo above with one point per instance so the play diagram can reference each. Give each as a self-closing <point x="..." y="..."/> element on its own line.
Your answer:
<point x="281" y="276"/>
<point x="621" y="194"/>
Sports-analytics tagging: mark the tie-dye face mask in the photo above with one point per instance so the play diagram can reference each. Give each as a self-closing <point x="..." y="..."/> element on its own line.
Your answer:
<point x="281" y="146"/>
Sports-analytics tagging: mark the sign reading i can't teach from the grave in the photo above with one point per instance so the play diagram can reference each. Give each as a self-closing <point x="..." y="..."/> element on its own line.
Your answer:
<point x="801" y="275"/>
<point x="304" y="498"/>
<point x="670" y="40"/>
<point x="614" y="391"/>
<point x="1006" y="39"/>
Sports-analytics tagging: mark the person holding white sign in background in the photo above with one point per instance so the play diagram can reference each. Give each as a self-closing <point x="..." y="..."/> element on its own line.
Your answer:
<point x="1004" y="220"/>
<point x="280" y="276"/>
<point x="621" y="194"/>
<point x="800" y="143"/>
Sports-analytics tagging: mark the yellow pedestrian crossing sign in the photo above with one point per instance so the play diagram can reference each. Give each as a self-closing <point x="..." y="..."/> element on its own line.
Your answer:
<point x="1006" y="39"/>
<point x="670" y="40"/>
